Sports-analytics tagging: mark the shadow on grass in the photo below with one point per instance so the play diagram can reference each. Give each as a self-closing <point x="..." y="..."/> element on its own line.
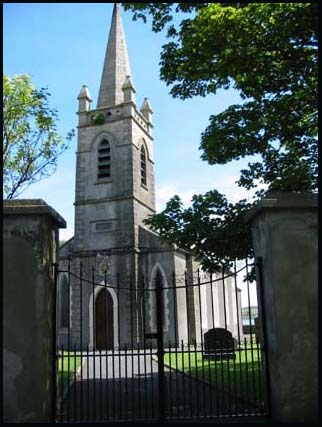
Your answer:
<point x="240" y="377"/>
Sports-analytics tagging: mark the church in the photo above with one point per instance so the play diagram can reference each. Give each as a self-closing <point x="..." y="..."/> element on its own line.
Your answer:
<point x="114" y="256"/>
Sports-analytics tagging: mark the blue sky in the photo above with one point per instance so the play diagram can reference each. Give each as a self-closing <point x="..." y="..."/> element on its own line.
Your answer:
<point x="62" y="46"/>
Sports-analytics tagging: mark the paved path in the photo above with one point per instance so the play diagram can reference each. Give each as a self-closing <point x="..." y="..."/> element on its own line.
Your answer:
<point x="125" y="387"/>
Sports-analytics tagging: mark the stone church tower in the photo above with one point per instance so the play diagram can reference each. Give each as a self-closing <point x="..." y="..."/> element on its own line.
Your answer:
<point x="114" y="194"/>
<point x="114" y="181"/>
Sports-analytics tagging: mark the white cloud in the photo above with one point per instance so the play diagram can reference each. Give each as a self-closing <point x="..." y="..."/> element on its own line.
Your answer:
<point x="227" y="186"/>
<point x="164" y="193"/>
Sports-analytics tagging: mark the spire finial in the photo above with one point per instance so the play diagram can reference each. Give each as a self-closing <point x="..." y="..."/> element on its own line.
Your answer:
<point x="116" y="64"/>
<point x="84" y="99"/>
<point x="128" y="90"/>
<point x="146" y="110"/>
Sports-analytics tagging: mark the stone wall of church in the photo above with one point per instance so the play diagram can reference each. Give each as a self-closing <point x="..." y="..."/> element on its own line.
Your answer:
<point x="118" y="134"/>
<point x="146" y="194"/>
<point x="104" y="199"/>
<point x="172" y="264"/>
<point x="99" y="197"/>
<point x="85" y="284"/>
<point x="182" y="314"/>
<point x="108" y="225"/>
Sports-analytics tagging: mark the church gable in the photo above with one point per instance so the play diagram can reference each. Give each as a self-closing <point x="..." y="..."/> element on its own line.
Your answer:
<point x="66" y="248"/>
<point x="149" y="239"/>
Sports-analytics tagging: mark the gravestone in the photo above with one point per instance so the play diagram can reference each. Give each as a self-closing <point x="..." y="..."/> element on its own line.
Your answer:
<point x="219" y="344"/>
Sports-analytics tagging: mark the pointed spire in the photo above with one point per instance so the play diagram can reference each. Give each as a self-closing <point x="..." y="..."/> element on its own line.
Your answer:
<point x="116" y="64"/>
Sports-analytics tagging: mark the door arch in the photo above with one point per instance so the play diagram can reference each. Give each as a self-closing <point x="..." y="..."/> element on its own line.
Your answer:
<point x="92" y="315"/>
<point x="152" y="299"/>
<point x="104" y="321"/>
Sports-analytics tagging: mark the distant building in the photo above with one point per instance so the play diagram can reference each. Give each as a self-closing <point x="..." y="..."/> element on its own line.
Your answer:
<point x="248" y="318"/>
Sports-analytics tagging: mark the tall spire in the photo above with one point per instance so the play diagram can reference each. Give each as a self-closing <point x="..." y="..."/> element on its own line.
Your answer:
<point x="116" y="64"/>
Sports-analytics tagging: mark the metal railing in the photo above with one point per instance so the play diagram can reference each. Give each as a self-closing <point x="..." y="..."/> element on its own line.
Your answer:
<point x="156" y="362"/>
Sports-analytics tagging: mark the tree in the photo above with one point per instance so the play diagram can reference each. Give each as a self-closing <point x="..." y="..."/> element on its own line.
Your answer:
<point x="31" y="144"/>
<point x="268" y="52"/>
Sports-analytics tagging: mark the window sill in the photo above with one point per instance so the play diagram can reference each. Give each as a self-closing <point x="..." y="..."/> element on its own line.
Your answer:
<point x="103" y="181"/>
<point x="145" y="187"/>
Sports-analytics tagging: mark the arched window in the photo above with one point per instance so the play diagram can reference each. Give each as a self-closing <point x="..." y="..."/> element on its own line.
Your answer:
<point x="64" y="303"/>
<point x="143" y="165"/>
<point x="104" y="160"/>
<point x="157" y="274"/>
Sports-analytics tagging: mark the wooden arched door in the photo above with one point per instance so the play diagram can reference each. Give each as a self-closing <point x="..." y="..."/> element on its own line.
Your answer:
<point x="104" y="321"/>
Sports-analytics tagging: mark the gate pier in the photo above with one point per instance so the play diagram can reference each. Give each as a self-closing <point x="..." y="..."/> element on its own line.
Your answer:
<point x="284" y="230"/>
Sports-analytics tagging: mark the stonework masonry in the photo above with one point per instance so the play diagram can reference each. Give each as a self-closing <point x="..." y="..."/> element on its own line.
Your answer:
<point x="284" y="229"/>
<point x="30" y="243"/>
<point x="110" y="210"/>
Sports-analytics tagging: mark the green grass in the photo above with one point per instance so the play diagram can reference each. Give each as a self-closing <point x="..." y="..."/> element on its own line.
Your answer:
<point x="240" y="377"/>
<point x="65" y="367"/>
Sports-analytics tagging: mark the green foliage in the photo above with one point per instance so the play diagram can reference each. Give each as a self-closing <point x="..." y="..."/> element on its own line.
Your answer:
<point x="228" y="375"/>
<point x="269" y="53"/>
<point x="67" y="366"/>
<point x="212" y="228"/>
<point x="31" y="144"/>
<point x="98" y="119"/>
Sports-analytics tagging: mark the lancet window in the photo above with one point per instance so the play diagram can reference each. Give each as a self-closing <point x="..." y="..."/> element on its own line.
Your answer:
<point x="143" y="166"/>
<point x="104" y="160"/>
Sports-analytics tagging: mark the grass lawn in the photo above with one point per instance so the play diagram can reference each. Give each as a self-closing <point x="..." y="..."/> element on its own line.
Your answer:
<point x="64" y="367"/>
<point x="240" y="377"/>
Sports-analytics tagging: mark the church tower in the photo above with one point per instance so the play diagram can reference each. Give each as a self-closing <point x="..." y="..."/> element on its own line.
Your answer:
<point x="114" y="173"/>
<point x="108" y="270"/>
<point x="114" y="181"/>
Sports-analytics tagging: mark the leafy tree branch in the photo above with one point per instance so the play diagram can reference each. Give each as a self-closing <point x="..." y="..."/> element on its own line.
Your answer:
<point x="31" y="143"/>
<point x="268" y="52"/>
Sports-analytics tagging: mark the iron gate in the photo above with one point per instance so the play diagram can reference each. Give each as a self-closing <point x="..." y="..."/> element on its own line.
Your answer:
<point x="113" y="363"/>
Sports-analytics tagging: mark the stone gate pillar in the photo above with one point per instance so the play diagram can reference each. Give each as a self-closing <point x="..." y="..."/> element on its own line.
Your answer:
<point x="30" y="243"/>
<point x="284" y="232"/>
